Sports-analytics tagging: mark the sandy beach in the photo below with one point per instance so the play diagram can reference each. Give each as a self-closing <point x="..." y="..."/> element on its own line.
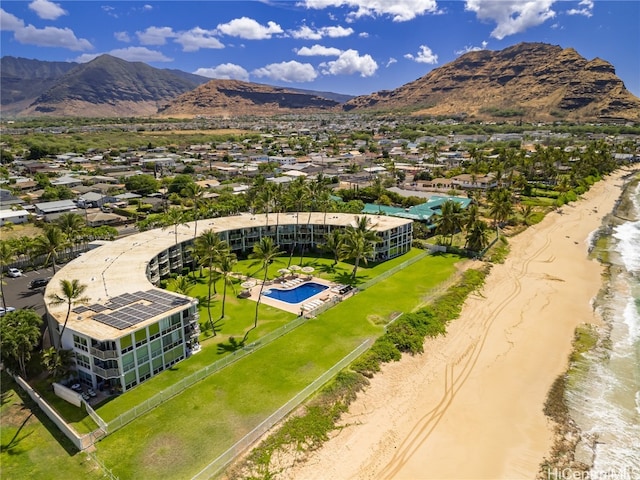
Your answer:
<point x="471" y="406"/>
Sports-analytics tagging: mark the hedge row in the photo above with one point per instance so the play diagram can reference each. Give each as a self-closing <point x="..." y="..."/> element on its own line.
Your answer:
<point x="408" y="333"/>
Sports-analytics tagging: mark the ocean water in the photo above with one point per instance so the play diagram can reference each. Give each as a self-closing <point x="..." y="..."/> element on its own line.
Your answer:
<point x="605" y="402"/>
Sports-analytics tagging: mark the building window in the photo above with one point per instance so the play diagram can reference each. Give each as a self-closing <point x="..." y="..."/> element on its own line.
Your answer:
<point x="83" y="361"/>
<point x="80" y="343"/>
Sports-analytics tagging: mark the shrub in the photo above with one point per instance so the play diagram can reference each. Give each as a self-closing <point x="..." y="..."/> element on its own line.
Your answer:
<point x="385" y="350"/>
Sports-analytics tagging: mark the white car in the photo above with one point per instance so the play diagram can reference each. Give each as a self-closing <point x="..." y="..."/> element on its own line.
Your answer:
<point x="3" y="311"/>
<point x="14" y="272"/>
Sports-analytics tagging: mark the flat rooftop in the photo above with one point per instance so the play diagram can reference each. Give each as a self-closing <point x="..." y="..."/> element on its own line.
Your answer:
<point x="118" y="268"/>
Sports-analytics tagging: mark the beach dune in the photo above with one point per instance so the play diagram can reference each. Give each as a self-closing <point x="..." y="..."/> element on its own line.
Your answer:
<point x="471" y="406"/>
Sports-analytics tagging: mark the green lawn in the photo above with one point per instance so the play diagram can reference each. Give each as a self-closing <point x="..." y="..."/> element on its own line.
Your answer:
<point x="32" y="446"/>
<point x="180" y="437"/>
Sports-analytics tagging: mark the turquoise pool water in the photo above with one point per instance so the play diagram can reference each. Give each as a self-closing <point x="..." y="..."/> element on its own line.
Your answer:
<point x="296" y="295"/>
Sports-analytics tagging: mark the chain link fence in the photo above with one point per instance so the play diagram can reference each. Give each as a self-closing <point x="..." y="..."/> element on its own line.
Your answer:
<point x="254" y="435"/>
<point x="195" y="377"/>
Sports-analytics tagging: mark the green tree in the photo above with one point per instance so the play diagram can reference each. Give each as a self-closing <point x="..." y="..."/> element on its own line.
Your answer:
<point x="71" y="292"/>
<point x="209" y="248"/>
<point x="476" y="238"/>
<point x="142" y="184"/>
<point x="71" y="225"/>
<point x="359" y="242"/>
<point x="225" y="264"/>
<point x="181" y="284"/>
<point x="51" y="243"/>
<point x="333" y="244"/>
<point x="500" y="206"/>
<point x="450" y="220"/>
<point x="264" y="252"/>
<point x="180" y="184"/>
<point x="20" y="335"/>
<point x="57" y="362"/>
<point x="174" y="217"/>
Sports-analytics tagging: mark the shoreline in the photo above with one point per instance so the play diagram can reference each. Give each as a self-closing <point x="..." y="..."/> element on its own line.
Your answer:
<point x="477" y="393"/>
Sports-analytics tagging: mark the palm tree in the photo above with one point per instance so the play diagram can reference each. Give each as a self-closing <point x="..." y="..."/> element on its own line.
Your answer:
<point x="50" y="243"/>
<point x="297" y="197"/>
<point x="226" y="264"/>
<point x="71" y="294"/>
<point x="476" y="238"/>
<point x="527" y="213"/>
<point x="71" y="225"/>
<point x="196" y="193"/>
<point x="209" y="247"/>
<point x="359" y="242"/>
<point x="7" y="255"/>
<point x="57" y="362"/>
<point x="265" y="252"/>
<point x="450" y="220"/>
<point x="181" y="284"/>
<point x="501" y="206"/>
<point x="333" y="244"/>
<point x="174" y="217"/>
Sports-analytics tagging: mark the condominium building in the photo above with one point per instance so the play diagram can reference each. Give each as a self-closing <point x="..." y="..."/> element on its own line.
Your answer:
<point x="129" y="330"/>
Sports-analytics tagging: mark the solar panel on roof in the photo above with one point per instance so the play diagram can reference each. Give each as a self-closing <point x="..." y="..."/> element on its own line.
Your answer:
<point x="96" y="307"/>
<point x="81" y="309"/>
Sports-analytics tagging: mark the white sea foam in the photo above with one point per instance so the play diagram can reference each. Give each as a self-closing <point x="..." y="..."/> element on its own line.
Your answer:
<point x="605" y="403"/>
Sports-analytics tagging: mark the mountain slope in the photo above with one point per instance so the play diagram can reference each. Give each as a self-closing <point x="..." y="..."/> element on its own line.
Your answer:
<point x="533" y="81"/>
<point x="234" y="97"/>
<point x="16" y="93"/>
<point x="109" y="86"/>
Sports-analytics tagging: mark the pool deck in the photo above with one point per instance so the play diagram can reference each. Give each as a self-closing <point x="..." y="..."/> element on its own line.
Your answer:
<point x="292" y="307"/>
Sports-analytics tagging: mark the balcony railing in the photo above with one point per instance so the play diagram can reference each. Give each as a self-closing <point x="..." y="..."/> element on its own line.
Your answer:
<point x="107" y="373"/>
<point x="103" y="354"/>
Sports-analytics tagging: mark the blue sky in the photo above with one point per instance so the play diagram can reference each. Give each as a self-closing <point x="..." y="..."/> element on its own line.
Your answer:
<point x="345" y="46"/>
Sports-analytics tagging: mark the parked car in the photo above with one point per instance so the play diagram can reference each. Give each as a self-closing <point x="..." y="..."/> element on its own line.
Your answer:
<point x="3" y="311"/>
<point x="38" y="282"/>
<point x="14" y="272"/>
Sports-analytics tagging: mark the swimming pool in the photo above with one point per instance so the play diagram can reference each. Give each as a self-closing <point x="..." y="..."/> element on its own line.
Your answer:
<point x="297" y="294"/>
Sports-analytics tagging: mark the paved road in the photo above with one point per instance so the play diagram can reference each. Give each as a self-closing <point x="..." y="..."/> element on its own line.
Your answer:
<point x="18" y="295"/>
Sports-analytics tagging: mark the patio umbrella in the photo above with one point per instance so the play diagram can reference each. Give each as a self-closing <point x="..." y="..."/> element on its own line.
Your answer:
<point x="294" y="268"/>
<point x="284" y="271"/>
<point x="248" y="284"/>
<point x="307" y="270"/>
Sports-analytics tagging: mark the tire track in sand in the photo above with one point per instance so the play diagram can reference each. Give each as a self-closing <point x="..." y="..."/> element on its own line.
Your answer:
<point x="458" y="371"/>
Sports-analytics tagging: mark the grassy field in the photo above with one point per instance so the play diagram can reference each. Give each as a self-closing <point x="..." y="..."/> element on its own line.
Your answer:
<point x="183" y="435"/>
<point x="180" y="437"/>
<point x="32" y="446"/>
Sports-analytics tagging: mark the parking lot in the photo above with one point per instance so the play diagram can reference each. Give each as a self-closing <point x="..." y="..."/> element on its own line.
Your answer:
<point x="18" y="295"/>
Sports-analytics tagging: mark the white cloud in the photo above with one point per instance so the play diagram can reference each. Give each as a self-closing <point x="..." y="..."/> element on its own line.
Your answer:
<point x="42" y="37"/>
<point x="288" y="72"/>
<point x="308" y="33"/>
<point x="350" y="62"/>
<point x="391" y="61"/>
<point x="155" y="35"/>
<point x="147" y="7"/>
<point x="47" y="10"/>
<point x="109" y="10"/>
<point x="363" y="35"/>
<point x="319" y="50"/>
<point x="249" y="29"/>
<point x="398" y="10"/>
<point x="225" y="71"/>
<point x="197" y="38"/>
<point x="471" y="48"/>
<point x="130" y="54"/>
<point x="586" y="10"/>
<point x="424" y="55"/>
<point x="51" y="37"/>
<point x="512" y="16"/>
<point x="9" y="22"/>
<point x="122" y="36"/>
